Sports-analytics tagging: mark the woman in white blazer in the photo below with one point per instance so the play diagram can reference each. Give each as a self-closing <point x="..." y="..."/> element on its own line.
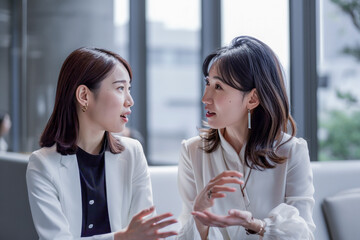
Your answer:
<point x="245" y="177"/>
<point x="84" y="182"/>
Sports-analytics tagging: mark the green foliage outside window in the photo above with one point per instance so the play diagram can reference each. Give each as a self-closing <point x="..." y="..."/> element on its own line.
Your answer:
<point x="341" y="130"/>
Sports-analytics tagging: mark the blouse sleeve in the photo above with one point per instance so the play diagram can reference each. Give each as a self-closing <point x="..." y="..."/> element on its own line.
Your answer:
<point x="188" y="193"/>
<point x="49" y="219"/>
<point x="293" y="219"/>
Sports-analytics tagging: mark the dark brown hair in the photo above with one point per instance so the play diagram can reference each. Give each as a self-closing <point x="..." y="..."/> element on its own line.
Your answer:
<point x="84" y="66"/>
<point x="245" y="64"/>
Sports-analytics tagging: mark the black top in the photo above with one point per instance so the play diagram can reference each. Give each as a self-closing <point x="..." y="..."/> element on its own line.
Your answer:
<point x="95" y="217"/>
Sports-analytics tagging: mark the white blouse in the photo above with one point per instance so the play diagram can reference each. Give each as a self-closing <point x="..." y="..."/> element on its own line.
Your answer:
<point x="282" y="196"/>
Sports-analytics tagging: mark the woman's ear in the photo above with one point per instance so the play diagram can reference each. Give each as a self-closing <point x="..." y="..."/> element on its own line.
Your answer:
<point x="253" y="99"/>
<point x="82" y="95"/>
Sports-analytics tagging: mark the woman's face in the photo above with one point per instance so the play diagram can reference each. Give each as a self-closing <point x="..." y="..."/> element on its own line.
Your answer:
<point x="110" y="107"/>
<point x="225" y="106"/>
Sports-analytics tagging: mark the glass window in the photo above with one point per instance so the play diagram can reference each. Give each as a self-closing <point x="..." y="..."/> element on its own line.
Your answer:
<point x="339" y="86"/>
<point x="266" y="20"/>
<point x="4" y="54"/>
<point x="174" y="76"/>
<point x="53" y="30"/>
<point x="121" y="27"/>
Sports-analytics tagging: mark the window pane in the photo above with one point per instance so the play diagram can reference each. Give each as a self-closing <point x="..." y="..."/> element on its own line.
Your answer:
<point x="54" y="29"/>
<point x="266" y="20"/>
<point x="5" y="20"/>
<point x="174" y="78"/>
<point x="121" y="27"/>
<point x="339" y="86"/>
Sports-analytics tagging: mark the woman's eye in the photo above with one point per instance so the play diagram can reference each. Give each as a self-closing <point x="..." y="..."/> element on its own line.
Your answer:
<point x="217" y="86"/>
<point x="121" y="88"/>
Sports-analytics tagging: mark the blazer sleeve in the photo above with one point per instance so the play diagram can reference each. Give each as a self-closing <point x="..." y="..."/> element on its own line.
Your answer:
<point x="293" y="219"/>
<point x="49" y="219"/>
<point x="188" y="192"/>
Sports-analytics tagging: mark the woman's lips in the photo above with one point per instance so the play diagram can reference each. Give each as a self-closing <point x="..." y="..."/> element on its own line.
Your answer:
<point x="210" y="114"/>
<point x="124" y="118"/>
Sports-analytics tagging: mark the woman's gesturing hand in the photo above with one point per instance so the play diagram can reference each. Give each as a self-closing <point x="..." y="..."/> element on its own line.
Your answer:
<point x="140" y="229"/>
<point x="235" y="218"/>
<point x="215" y="188"/>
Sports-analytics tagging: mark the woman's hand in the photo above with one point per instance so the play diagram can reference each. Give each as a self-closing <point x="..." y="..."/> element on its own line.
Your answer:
<point x="215" y="188"/>
<point x="140" y="229"/>
<point x="235" y="218"/>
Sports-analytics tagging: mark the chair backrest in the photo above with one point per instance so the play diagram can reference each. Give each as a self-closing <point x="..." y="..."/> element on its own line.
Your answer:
<point x="15" y="216"/>
<point x="342" y="213"/>
<point x="165" y="190"/>
<point x="331" y="178"/>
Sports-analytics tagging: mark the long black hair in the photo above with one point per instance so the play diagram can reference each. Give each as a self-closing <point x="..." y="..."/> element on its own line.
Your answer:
<point x="245" y="64"/>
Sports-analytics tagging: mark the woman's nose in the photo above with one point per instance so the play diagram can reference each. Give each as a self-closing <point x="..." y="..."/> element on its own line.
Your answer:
<point x="206" y="97"/>
<point x="129" y="102"/>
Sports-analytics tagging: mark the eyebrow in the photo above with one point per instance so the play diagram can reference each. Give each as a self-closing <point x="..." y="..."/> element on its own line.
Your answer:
<point x="119" y="81"/>
<point x="217" y="77"/>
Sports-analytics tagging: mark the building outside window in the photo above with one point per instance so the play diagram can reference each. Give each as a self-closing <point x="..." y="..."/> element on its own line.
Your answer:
<point x="174" y="76"/>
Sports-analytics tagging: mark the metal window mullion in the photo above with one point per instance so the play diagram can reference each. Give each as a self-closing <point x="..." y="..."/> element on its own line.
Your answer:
<point x="137" y="59"/>
<point x="303" y="74"/>
<point x="210" y="31"/>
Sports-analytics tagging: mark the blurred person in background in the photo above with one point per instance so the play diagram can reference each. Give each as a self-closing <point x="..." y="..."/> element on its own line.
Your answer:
<point x="5" y="125"/>
<point x="84" y="182"/>
<point x="246" y="177"/>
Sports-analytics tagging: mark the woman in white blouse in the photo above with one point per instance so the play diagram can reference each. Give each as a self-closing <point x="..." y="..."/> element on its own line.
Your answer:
<point x="84" y="182"/>
<point x="247" y="176"/>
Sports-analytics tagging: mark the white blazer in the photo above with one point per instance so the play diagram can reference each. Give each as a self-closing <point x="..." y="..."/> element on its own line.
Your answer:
<point x="54" y="190"/>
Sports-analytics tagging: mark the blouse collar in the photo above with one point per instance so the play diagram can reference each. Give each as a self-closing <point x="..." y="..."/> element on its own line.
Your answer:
<point x="228" y="150"/>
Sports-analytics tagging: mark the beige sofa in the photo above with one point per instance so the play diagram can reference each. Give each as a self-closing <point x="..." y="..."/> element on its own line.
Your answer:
<point x="330" y="178"/>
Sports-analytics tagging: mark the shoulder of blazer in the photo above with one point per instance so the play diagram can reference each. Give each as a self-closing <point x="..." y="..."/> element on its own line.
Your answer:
<point x="131" y="145"/>
<point x="45" y="158"/>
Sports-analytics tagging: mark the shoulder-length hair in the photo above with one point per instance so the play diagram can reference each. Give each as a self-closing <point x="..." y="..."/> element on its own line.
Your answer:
<point x="245" y="64"/>
<point x="84" y="66"/>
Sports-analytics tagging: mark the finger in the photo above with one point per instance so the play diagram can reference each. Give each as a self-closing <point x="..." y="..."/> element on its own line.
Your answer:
<point x="222" y="188"/>
<point x="212" y="216"/>
<point x="217" y="220"/>
<point x="198" y="214"/>
<point x="144" y="213"/>
<point x="240" y="214"/>
<point x="217" y="195"/>
<point x="205" y="220"/>
<point x="228" y="174"/>
<point x="166" y="234"/>
<point x="158" y="218"/>
<point x="164" y="223"/>
<point x="225" y="180"/>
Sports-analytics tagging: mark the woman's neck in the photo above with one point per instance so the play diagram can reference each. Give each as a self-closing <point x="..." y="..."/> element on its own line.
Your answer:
<point x="235" y="137"/>
<point x="91" y="142"/>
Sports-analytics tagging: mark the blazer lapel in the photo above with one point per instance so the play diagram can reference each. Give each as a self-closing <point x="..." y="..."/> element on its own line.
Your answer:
<point x="71" y="192"/>
<point x="114" y="174"/>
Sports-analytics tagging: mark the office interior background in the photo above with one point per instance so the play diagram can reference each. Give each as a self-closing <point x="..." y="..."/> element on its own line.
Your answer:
<point x="317" y="41"/>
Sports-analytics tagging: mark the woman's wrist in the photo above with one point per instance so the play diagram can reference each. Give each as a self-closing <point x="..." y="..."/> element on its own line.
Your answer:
<point x="255" y="226"/>
<point x="121" y="235"/>
<point x="202" y="229"/>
